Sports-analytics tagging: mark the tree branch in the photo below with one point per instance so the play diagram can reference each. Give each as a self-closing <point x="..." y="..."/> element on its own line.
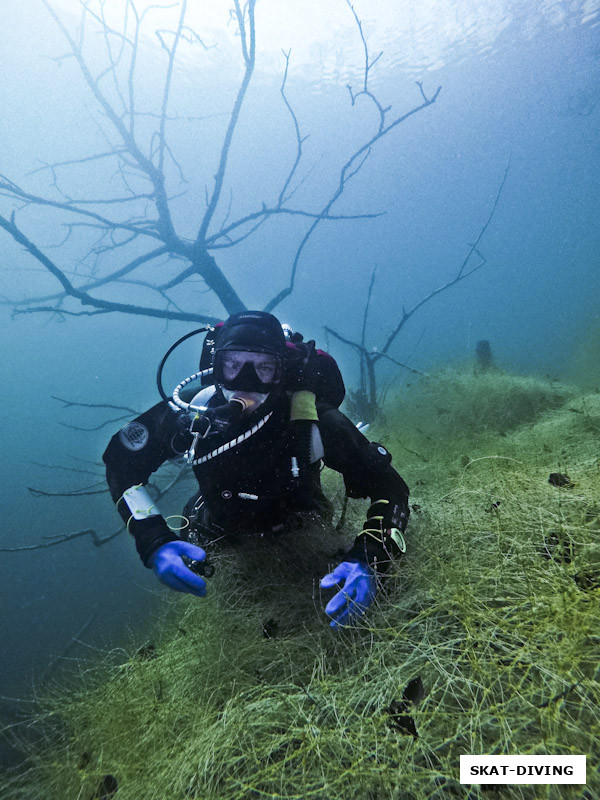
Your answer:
<point x="10" y="189"/>
<point x="97" y="540"/>
<point x="84" y="297"/>
<point x="165" y="100"/>
<point x="352" y="165"/>
<point x="367" y="304"/>
<point x="358" y="347"/>
<point x="414" y="370"/>
<point x="144" y="163"/>
<point x="73" y="161"/>
<point x="76" y="493"/>
<point x="460" y="275"/>
<point x="249" y="51"/>
<point x="268" y="212"/>
<point x="76" y="404"/>
<point x="299" y="139"/>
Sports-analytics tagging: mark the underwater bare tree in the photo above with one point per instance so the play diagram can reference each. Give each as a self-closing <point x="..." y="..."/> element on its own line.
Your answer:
<point x="122" y="237"/>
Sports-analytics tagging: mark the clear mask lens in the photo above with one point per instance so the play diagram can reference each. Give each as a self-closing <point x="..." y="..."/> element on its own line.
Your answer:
<point x="264" y="365"/>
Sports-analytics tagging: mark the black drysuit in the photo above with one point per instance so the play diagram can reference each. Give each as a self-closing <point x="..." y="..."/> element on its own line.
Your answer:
<point x="248" y="484"/>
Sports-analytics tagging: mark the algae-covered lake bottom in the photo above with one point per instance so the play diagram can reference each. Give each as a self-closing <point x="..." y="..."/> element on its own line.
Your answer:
<point x="485" y="640"/>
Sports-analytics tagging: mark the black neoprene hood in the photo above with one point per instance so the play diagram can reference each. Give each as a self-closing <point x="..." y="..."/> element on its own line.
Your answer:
<point x="253" y="331"/>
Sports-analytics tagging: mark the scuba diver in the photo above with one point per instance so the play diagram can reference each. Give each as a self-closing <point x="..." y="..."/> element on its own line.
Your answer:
<point x="256" y="438"/>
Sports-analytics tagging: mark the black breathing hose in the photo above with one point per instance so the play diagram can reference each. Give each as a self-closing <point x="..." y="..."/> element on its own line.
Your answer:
<point x="163" y="361"/>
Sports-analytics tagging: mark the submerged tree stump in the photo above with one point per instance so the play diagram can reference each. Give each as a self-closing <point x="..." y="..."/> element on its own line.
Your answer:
<point x="484" y="360"/>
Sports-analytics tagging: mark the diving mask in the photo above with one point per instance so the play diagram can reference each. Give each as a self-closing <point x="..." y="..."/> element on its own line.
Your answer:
<point x="247" y="371"/>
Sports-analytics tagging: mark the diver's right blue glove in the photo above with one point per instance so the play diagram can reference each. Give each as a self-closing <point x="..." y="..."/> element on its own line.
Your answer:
<point x="170" y="569"/>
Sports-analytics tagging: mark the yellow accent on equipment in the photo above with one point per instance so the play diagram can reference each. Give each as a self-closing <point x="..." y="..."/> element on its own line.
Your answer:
<point x="303" y="406"/>
<point x="398" y="538"/>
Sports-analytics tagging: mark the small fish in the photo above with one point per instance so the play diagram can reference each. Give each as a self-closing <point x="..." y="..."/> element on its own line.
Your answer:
<point x="399" y="718"/>
<point x="587" y="581"/>
<point x="84" y="760"/>
<point x="557" y="547"/>
<point x="558" y="479"/>
<point x="270" y="628"/>
<point x="107" y="788"/>
<point x="146" y="652"/>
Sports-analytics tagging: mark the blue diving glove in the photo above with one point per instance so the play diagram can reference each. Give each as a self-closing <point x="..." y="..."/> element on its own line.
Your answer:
<point x="169" y="568"/>
<point x="356" y="595"/>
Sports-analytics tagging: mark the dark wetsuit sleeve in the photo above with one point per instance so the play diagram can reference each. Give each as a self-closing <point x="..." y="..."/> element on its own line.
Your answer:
<point x="367" y="471"/>
<point x="132" y="455"/>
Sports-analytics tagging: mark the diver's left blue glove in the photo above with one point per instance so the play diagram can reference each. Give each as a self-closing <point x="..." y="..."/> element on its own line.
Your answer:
<point x="357" y="592"/>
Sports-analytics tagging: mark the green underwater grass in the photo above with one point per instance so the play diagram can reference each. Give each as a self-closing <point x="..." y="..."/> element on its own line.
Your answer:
<point x="486" y="639"/>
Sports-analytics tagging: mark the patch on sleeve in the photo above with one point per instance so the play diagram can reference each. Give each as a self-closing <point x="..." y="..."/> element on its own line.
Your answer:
<point x="134" y="436"/>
